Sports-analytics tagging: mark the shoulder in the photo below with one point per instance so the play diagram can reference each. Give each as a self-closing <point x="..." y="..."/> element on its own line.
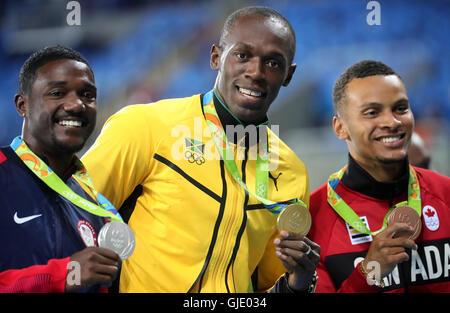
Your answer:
<point x="4" y="165"/>
<point x="431" y="176"/>
<point x="165" y="106"/>
<point x="7" y="158"/>
<point x="3" y="157"/>
<point x="158" y="113"/>
<point x="14" y="175"/>
<point x="434" y="183"/>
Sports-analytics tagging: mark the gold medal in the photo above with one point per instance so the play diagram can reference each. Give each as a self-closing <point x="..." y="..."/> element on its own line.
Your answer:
<point x="295" y="218"/>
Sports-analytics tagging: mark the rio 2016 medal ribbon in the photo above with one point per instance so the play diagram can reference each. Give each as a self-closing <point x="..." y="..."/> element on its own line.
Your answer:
<point x="295" y="218"/>
<point x="119" y="237"/>
<point x="407" y="215"/>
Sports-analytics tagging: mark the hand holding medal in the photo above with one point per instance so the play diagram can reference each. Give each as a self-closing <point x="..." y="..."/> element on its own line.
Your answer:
<point x="299" y="254"/>
<point x="407" y="215"/>
<point x="401" y="226"/>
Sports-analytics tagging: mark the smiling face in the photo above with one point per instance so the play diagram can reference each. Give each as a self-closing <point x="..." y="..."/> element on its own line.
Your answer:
<point x="60" y="109"/>
<point x="376" y="120"/>
<point x="253" y="62"/>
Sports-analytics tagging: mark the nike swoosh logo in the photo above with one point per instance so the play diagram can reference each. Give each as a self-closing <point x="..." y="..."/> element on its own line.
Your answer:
<point x="21" y="220"/>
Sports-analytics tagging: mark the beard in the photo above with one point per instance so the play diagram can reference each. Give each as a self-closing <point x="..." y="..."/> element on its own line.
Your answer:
<point x="65" y="148"/>
<point x="392" y="161"/>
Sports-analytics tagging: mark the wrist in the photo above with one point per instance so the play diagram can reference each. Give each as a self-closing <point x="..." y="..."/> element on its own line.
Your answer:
<point x="310" y="288"/>
<point x="371" y="278"/>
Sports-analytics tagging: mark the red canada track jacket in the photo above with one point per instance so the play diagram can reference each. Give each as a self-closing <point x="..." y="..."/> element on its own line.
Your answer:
<point x="342" y="248"/>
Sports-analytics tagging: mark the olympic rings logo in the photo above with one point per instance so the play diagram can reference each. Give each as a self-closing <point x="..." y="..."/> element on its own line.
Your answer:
<point x="193" y="157"/>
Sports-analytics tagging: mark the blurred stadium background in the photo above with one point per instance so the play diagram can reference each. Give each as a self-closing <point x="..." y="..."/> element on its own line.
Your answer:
<point x="143" y="51"/>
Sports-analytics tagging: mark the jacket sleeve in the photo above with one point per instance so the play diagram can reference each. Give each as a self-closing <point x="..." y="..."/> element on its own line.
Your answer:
<point x="271" y="272"/>
<point x="37" y="278"/>
<point x="119" y="159"/>
<point x="269" y="269"/>
<point x="355" y="283"/>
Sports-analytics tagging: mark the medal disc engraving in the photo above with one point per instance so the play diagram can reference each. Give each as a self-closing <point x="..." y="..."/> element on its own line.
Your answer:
<point x="119" y="237"/>
<point x="295" y="218"/>
<point x="407" y="215"/>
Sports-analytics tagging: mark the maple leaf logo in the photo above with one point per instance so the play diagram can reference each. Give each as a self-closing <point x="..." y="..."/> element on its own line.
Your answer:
<point x="429" y="212"/>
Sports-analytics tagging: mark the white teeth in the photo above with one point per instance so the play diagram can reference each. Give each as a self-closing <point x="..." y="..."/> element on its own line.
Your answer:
<point x="70" y="123"/>
<point x="390" y="139"/>
<point x="249" y="92"/>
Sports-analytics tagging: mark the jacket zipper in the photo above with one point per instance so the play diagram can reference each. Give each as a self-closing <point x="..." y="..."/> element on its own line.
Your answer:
<point x="242" y="227"/>
<point x="199" y="279"/>
<point x="220" y="267"/>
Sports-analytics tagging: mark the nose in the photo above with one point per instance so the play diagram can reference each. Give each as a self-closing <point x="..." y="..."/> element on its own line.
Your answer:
<point x="73" y="103"/>
<point x="390" y="120"/>
<point x="255" y="69"/>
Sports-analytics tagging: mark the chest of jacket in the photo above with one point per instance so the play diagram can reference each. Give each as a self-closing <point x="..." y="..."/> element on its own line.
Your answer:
<point x="429" y="265"/>
<point x="38" y="224"/>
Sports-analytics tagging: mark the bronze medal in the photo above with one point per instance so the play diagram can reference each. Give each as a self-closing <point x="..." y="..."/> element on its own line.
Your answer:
<point x="406" y="214"/>
<point x="295" y="218"/>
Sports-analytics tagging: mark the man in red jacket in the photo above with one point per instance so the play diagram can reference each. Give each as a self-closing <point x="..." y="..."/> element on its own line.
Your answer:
<point x="364" y="248"/>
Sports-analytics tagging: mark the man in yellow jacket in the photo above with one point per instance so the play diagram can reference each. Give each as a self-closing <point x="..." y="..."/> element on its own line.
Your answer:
<point x="197" y="164"/>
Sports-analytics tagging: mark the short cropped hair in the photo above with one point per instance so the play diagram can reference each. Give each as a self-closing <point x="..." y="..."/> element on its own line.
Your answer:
<point x="262" y="11"/>
<point x="40" y="58"/>
<point x="361" y="69"/>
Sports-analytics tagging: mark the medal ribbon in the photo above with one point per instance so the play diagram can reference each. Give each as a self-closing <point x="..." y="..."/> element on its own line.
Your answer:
<point x="227" y="155"/>
<point x="46" y="174"/>
<point x="344" y="211"/>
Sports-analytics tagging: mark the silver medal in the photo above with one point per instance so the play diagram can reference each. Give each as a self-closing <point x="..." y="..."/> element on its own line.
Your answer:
<point x="119" y="237"/>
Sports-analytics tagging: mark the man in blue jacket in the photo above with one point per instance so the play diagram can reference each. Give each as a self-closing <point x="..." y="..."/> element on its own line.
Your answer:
<point x="48" y="227"/>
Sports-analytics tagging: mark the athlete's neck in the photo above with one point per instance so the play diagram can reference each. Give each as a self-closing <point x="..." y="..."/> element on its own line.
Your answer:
<point x="227" y="117"/>
<point x="383" y="172"/>
<point x="60" y="163"/>
<point x="357" y="178"/>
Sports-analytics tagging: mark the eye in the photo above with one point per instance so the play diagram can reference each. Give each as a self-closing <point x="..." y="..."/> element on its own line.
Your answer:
<point x="273" y="64"/>
<point x="89" y="95"/>
<point x="402" y="109"/>
<point x="55" y="93"/>
<point x="240" y="55"/>
<point x="370" y="113"/>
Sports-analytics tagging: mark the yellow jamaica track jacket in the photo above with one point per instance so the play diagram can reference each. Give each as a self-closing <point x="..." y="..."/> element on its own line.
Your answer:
<point x="197" y="230"/>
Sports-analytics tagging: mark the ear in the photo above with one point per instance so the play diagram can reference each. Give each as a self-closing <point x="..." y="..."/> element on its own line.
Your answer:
<point x="290" y="73"/>
<point x="19" y="102"/>
<point x="214" y="62"/>
<point x="340" y="129"/>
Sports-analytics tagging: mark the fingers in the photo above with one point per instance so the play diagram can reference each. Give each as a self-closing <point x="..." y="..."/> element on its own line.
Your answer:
<point x="297" y="242"/>
<point x="104" y="262"/>
<point x="96" y="265"/>
<point x="393" y="229"/>
<point x="107" y="256"/>
<point x="386" y="238"/>
<point x="389" y="250"/>
<point x="294" y="250"/>
<point x="400" y="242"/>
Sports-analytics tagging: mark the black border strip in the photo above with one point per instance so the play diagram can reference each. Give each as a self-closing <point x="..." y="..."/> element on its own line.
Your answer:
<point x="187" y="177"/>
